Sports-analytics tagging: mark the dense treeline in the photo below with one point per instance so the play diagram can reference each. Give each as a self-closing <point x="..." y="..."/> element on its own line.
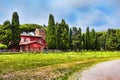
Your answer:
<point x="57" y="34"/>
<point x="61" y="37"/>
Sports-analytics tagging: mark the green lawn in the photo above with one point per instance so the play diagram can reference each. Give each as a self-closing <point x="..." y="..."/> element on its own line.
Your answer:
<point x="56" y="62"/>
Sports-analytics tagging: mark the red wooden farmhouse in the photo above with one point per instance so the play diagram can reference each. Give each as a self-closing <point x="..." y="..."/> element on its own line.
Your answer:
<point x="30" y="43"/>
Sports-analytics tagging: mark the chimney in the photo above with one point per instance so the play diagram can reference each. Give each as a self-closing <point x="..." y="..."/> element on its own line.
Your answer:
<point x="40" y="33"/>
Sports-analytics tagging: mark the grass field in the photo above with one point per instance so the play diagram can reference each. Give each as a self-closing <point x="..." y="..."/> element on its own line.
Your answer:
<point x="49" y="66"/>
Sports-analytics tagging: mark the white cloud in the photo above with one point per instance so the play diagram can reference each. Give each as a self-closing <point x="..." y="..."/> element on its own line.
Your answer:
<point x="73" y="3"/>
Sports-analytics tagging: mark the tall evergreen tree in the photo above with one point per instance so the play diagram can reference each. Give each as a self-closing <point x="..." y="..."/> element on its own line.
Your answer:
<point x="118" y="39"/>
<point x="87" y="38"/>
<point x="51" y="33"/>
<point x="80" y="39"/>
<point x="15" y="30"/>
<point x="59" y="36"/>
<point x="111" y="43"/>
<point x="84" y="41"/>
<point x="70" y="39"/>
<point x="58" y="31"/>
<point x="65" y="35"/>
<point x="97" y="42"/>
<point x="92" y="39"/>
<point x="75" y="39"/>
<point x="102" y="37"/>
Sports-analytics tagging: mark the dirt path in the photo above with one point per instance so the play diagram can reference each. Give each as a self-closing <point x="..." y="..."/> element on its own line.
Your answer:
<point x="109" y="70"/>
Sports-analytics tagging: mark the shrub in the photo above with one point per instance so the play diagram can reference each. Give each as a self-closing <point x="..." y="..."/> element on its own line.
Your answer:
<point x="2" y="46"/>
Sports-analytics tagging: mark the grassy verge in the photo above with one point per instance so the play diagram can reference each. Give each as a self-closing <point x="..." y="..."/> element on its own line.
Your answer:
<point x="52" y="66"/>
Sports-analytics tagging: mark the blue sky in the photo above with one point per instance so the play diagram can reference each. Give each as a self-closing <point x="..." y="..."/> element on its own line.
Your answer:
<point x="97" y="14"/>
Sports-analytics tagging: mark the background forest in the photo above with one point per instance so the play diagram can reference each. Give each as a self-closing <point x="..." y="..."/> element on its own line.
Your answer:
<point x="60" y="36"/>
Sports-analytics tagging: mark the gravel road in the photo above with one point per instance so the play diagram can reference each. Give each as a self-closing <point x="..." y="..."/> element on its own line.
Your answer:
<point x="109" y="70"/>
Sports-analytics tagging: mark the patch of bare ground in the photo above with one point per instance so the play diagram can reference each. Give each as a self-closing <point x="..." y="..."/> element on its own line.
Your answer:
<point x="109" y="70"/>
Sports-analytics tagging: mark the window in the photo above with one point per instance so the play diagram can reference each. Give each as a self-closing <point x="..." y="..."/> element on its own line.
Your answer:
<point x="26" y="39"/>
<point x="22" y="40"/>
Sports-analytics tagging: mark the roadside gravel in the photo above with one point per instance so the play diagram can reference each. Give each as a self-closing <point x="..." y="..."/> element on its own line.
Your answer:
<point x="109" y="70"/>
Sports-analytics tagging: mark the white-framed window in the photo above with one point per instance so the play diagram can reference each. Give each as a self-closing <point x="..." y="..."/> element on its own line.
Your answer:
<point x="22" y="40"/>
<point x="25" y="40"/>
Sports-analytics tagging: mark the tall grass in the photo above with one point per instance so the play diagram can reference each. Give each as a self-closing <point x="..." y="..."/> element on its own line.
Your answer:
<point x="15" y="62"/>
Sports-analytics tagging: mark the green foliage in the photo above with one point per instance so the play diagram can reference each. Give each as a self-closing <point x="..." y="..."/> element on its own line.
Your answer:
<point x="15" y="30"/>
<point x="79" y="39"/>
<point x="2" y="46"/>
<point x="87" y="38"/>
<point x="97" y="42"/>
<point x="15" y="62"/>
<point x="0" y="25"/>
<point x="51" y="33"/>
<point x="76" y="38"/>
<point x="118" y="39"/>
<point x="83" y="41"/>
<point x="92" y="40"/>
<point x="111" y="41"/>
<point x="29" y="27"/>
<point x="70" y="43"/>
<point x="59" y="36"/>
<point x="63" y="36"/>
<point x="6" y="33"/>
<point x="103" y="36"/>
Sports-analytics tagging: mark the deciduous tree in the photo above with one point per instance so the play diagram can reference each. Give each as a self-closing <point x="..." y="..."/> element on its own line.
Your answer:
<point x="6" y="33"/>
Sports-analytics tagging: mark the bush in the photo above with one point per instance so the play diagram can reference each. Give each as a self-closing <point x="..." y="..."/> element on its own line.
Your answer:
<point x="2" y="46"/>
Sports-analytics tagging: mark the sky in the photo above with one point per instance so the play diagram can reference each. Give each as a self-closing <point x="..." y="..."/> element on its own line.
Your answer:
<point x="97" y="14"/>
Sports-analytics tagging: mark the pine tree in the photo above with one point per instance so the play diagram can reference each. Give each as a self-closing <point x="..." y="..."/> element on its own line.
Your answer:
<point x="80" y="39"/>
<point x="51" y="33"/>
<point x="75" y="39"/>
<point x="71" y="39"/>
<point x="111" y="43"/>
<point x="92" y="39"/>
<point x="65" y="35"/>
<point x="59" y="36"/>
<point x="15" y="30"/>
<point x="97" y="42"/>
<point x="84" y="41"/>
<point x="87" y="38"/>
<point x="118" y="39"/>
